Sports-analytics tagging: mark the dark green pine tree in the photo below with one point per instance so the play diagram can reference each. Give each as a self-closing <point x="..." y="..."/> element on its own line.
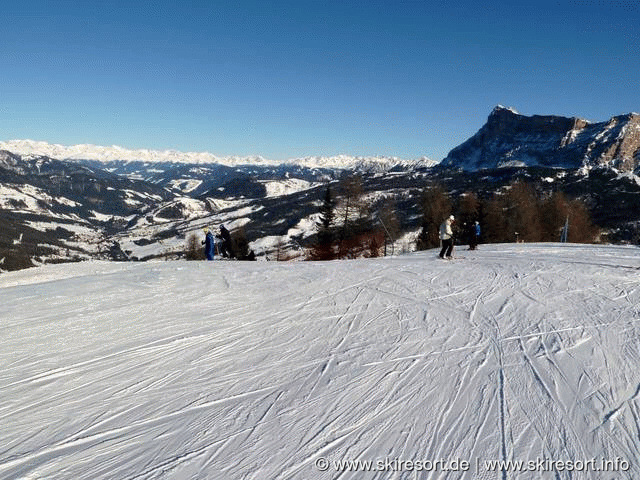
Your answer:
<point x="326" y="211"/>
<point x="323" y="249"/>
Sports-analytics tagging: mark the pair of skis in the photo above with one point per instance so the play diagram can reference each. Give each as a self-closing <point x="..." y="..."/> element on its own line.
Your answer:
<point x="450" y="258"/>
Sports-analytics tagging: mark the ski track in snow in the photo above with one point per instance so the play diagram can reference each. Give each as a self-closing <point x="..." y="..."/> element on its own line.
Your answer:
<point x="231" y="370"/>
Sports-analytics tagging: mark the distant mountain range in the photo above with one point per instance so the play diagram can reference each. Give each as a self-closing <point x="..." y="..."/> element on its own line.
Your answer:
<point x="119" y="154"/>
<point x="509" y="139"/>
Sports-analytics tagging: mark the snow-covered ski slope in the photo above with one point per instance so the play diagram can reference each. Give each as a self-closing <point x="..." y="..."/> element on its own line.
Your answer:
<point x="265" y="371"/>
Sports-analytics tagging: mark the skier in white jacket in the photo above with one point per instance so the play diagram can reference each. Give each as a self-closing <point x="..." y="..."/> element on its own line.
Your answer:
<point x="446" y="235"/>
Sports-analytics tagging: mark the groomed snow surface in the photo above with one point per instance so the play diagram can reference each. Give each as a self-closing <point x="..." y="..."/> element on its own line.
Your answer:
<point x="265" y="371"/>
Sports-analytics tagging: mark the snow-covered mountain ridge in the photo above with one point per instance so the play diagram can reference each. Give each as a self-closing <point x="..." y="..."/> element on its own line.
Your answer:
<point x="116" y="153"/>
<point x="509" y="139"/>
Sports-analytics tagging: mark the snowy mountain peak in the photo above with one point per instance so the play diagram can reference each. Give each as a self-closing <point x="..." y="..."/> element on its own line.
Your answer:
<point x="502" y="108"/>
<point x="116" y="153"/>
<point x="510" y="139"/>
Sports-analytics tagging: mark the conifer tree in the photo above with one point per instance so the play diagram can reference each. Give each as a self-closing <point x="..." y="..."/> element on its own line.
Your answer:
<point x="323" y="248"/>
<point x="327" y="214"/>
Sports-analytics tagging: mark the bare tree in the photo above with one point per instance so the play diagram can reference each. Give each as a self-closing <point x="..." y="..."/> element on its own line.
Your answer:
<point x="521" y="210"/>
<point x="194" y="249"/>
<point x="351" y="211"/>
<point x="390" y="223"/>
<point x="436" y="206"/>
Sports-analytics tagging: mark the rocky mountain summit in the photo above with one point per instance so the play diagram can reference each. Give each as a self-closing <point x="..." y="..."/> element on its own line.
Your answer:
<point x="510" y="139"/>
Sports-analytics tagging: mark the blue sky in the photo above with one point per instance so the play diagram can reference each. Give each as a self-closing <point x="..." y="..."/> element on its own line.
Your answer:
<point x="285" y="79"/>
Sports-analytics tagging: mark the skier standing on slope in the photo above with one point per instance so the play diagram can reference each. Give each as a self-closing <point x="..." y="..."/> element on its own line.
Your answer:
<point x="446" y="236"/>
<point x="477" y="233"/>
<point x="474" y="235"/>
<point x="226" y="248"/>
<point x="209" y="244"/>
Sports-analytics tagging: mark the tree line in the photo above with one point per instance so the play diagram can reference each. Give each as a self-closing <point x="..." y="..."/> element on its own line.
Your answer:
<point x="348" y="228"/>
<point x="352" y="223"/>
<point x="519" y="213"/>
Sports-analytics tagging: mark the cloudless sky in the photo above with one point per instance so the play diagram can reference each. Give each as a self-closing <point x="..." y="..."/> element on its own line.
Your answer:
<point x="285" y="79"/>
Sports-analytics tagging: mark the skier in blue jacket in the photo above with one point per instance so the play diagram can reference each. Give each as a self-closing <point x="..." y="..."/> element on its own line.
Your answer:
<point x="474" y="236"/>
<point x="209" y="244"/>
